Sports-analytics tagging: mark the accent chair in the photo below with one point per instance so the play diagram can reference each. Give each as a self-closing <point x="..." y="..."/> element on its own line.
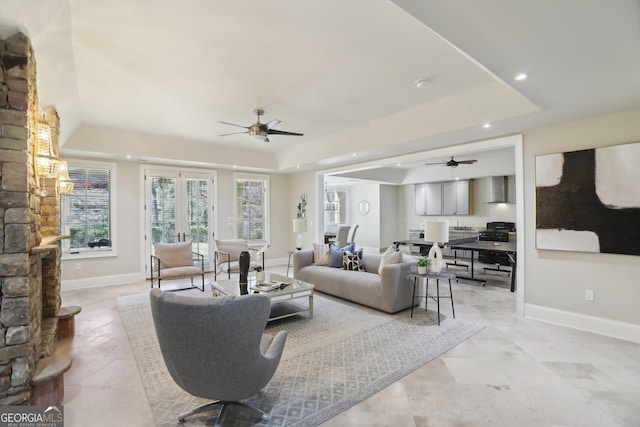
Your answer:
<point x="227" y="254"/>
<point x="176" y="261"/>
<point x="215" y="348"/>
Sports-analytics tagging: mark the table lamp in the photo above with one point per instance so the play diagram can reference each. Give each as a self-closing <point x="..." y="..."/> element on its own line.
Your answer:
<point x="436" y="232"/>
<point x="299" y="226"/>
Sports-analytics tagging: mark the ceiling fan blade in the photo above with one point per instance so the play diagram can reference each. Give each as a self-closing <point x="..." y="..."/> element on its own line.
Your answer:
<point x="233" y="133"/>
<point x="273" y="123"/>
<point x="434" y="164"/>
<point x="233" y="124"/>
<point x="466" y="162"/>
<point x="281" y="132"/>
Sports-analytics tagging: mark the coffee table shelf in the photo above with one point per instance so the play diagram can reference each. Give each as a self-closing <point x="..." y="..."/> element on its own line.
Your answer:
<point x="282" y="304"/>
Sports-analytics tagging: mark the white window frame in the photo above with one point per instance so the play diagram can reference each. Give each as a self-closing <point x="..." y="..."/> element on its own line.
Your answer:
<point x="259" y="177"/>
<point x="101" y="252"/>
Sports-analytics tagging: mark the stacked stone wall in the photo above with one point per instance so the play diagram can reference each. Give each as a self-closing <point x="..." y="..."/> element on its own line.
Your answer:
<point x="21" y="265"/>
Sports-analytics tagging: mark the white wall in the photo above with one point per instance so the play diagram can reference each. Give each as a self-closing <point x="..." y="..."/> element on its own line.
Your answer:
<point x="125" y="267"/>
<point x="298" y="184"/>
<point x="482" y="211"/>
<point x="368" y="236"/>
<point x="556" y="280"/>
<point x="128" y="265"/>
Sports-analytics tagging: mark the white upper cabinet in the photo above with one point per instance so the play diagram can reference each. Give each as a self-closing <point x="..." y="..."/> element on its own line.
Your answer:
<point x="443" y="198"/>
<point x="455" y="198"/>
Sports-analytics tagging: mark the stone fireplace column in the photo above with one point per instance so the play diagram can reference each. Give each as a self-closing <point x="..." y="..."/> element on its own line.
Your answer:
<point x="23" y="304"/>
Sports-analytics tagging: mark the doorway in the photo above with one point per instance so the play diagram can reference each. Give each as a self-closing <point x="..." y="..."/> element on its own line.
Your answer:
<point x="179" y="206"/>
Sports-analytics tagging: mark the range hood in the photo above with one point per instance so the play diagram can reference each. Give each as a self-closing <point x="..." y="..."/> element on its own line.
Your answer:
<point x="499" y="186"/>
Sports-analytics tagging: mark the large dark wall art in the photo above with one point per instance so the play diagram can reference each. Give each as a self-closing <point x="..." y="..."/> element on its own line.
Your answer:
<point x="589" y="200"/>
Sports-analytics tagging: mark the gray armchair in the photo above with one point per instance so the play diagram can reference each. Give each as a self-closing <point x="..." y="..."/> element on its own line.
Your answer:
<point x="215" y="348"/>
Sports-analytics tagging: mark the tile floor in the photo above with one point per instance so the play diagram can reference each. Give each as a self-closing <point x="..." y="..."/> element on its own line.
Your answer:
<point x="515" y="372"/>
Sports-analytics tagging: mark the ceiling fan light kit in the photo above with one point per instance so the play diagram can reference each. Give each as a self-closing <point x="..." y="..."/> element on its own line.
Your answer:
<point x="260" y="131"/>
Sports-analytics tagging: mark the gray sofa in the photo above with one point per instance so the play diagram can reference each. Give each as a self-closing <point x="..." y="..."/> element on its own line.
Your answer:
<point x="390" y="291"/>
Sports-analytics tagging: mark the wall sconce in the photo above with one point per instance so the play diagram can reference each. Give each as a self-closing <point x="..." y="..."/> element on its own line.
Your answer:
<point x="65" y="184"/>
<point x="47" y="164"/>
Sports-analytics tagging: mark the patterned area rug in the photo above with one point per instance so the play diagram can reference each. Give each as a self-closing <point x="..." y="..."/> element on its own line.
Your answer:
<point x="343" y="355"/>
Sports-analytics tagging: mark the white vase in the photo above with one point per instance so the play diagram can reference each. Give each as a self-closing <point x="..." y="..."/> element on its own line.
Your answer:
<point x="259" y="276"/>
<point x="422" y="270"/>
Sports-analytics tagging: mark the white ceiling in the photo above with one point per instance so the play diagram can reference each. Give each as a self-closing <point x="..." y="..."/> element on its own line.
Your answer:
<point x="148" y="76"/>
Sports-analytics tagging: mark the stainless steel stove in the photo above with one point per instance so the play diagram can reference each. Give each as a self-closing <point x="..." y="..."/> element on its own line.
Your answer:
<point x="496" y="232"/>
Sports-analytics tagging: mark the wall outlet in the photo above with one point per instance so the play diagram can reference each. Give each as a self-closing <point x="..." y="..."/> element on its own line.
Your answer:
<point x="78" y="266"/>
<point x="589" y="295"/>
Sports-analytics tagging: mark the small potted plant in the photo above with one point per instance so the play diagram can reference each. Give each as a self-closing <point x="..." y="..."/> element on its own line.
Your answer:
<point x="423" y="263"/>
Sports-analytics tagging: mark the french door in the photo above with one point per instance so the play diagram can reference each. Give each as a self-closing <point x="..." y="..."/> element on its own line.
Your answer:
<point x="179" y="208"/>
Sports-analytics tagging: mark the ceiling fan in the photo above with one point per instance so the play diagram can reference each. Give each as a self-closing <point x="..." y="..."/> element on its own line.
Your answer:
<point x="453" y="163"/>
<point x="260" y="131"/>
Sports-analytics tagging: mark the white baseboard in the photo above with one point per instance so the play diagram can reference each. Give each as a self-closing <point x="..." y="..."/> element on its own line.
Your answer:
<point x="598" y="325"/>
<point x="123" y="279"/>
<point x="95" y="282"/>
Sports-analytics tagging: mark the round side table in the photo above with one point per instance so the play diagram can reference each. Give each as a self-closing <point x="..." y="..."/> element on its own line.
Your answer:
<point x="437" y="296"/>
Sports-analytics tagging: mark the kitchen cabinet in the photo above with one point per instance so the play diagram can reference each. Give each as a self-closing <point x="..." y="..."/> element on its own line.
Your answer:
<point x="428" y="199"/>
<point x="420" y="199"/>
<point x="442" y="198"/>
<point x="455" y="198"/>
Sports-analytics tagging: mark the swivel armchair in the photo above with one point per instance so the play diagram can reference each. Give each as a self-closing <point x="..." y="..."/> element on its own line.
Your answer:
<point x="214" y="348"/>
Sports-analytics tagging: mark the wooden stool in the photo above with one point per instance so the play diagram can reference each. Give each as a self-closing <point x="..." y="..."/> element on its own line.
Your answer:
<point x="66" y="321"/>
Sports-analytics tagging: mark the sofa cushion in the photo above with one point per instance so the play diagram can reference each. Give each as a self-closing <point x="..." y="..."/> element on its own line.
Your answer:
<point x="335" y="253"/>
<point x="174" y="254"/>
<point x="320" y="254"/>
<point x="352" y="261"/>
<point x="390" y="256"/>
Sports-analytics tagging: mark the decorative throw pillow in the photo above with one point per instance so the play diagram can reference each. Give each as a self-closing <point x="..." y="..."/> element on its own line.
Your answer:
<point x="390" y="256"/>
<point x="320" y="254"/>
<point x="352" y="261"/>
<point x="335" y="254"/>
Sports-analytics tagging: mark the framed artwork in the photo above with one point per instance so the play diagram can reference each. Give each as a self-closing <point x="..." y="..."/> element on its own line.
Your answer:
<point x="589" y="200"/>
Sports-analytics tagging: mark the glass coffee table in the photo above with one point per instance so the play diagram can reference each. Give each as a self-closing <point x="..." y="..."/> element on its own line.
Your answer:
<point x="283" y="299"/>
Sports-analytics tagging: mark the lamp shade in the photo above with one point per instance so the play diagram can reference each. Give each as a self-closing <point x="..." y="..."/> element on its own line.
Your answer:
<point x="437" y="231"/>
<point x="300" y="225"/>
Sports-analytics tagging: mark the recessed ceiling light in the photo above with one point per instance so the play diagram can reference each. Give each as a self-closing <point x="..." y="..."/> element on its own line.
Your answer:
<point x="398" y="164"/>
<point x="520" y="77"/>
<point x="354" y="154"/>
<point x="128" y="156"/>
<point x="297" y="166"/>
<point x="486" y="125"/>
<point x="421" y="82"/>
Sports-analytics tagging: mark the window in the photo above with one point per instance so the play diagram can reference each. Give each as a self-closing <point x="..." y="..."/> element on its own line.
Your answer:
<point x="87" y="213"/>
<point x="252" y="195"/>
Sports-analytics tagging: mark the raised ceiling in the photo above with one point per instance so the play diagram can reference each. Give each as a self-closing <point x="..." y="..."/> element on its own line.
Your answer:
<point x="152" y="78"/>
